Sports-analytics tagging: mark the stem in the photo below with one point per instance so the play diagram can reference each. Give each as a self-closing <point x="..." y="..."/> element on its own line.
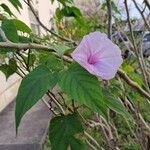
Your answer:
<point x="92" y="139"/>
<point x="109" y="11"/>
<point x="28" y="61"/>
<point x="44" y="27"/>
<point x="143" y="70"/>
<point x="90" y="145"/>
<point x="56" y="102"/>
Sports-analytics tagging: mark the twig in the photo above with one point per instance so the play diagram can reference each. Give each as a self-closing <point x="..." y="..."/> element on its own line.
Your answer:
<point x="141" y="13"/>
<point x="68" y="59"/>
<point x="107" y="133"/>
<point x="44" y="27"/>
<point x="28" y="60"/>
<point x="147" y="3"/>
<point x="143" y="70"/>
<point x="47" y="104"/>
<point x="21" y="46"/>
<point x="21" y="70"/>
<point x="55" y="101"/>
<point x="20" y="61"/>
<point x="92" y="139"/>
<point x="3" y="36"/>
<point x="90" y="145"/>
<point x="109" y="11"/>
<point x="134" y="85"/>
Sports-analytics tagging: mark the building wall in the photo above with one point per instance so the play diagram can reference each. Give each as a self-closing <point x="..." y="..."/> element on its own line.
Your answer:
<point x="45" y="10"/>
<point x="9" y="88"/>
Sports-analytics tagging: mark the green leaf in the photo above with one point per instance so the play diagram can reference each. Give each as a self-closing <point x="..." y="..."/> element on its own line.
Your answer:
<point x="10" y="30"/>
<point x="58" y="13"/>
<point x="6" y="50"/>
<point x="113" y="103"/>
<point x="52" y="1"/>
<point x="83" y="87"/>
<point x="24" y="39"/>
<point x="50" y="61"/>
<point x="114" y="7"/>
<point x="103" y="6"/>
<point x="64" y="2"/>
<point x="32" y="59"/>
<point x="77" y="144"/>
<point x="21" y="26"/>
<point x="62" y="132"/>
<point x="60" y="48"/>
<point x="6" y="9"/>
<point x="68" y="11"/>
<point x="76" y="11"/>
<point x="9" y="69"/>
<point x="78" y="15"/>
<point x="32" y="88"/>
<point x="16" y="4"/>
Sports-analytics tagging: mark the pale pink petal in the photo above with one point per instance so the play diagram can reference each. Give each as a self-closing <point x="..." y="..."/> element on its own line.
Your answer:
<point x="82" y="50"/>
<point x="96" y="41"/>
<point x="106" y="68"/>
<point x="98" y="55"/>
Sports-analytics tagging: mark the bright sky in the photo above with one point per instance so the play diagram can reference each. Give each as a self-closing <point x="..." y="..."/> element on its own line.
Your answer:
<point x="133" y="11"/>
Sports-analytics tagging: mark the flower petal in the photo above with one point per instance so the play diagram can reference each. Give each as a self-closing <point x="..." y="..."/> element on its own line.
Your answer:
<point x="107" y="67"/>
<point x="82" y="50"/>
<point x="96" y="41"/>
<point x="98" y="55"/>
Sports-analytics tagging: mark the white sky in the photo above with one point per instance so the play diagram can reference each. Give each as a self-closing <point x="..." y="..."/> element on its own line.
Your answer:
<point x="133" y="11"/>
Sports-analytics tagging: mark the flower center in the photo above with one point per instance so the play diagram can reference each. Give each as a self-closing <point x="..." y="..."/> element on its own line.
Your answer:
<point x="92" y="59"/>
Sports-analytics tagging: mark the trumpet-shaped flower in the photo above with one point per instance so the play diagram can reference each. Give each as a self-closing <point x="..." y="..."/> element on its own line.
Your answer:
<point x="98" y="55"/>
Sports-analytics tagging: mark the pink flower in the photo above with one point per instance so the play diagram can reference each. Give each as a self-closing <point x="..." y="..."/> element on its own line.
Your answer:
<point x="98" y="55"/>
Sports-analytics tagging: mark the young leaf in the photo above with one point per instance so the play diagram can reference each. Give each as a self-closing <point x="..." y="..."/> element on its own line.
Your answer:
<point x="58" y="13"/>
<point x="62" y="133"/>
<point x="50" y="61"/>
<point x="64" y="2"/>
<point x="6" y="9"/>
<point x="6" y="50"/>
<point x="21" y="26"/>
<point x="16" y="4"/>
<point x="24" y="39"/>
<point x="10" y="30"/>
<point x="32" y="88"/>
<point x="9" y="69"/>
<point x="83" y="87"/>
<point x="113" y="103"/>
<point x="60" y="48"/>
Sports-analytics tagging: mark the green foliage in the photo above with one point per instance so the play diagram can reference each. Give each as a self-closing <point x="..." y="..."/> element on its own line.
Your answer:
<point x="6" y="9"/>
<point x="132" y="74"/>
<point x="16" y="4"/>
<point x="24" y="39"/>
<point x="79" y="90"/>
<point x="32" y="88"/>
<point x="113" y="5"/>
<point x="30" y="60"/>
<point x="9" y="69"/>
<point x="83" y="87"/>
<point x="10" y="30"/>
<point x="63" y="131"/>
<point x="6" y="50"/>
<point x="50" y="61"/>
<point x="69" y="11"/>
<point x="113" y="103"/>
<point x="63" y="2"/>
<point x="21" y="26"/>
<point x="60" y="48"/>
<point x="77" y="30"/>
